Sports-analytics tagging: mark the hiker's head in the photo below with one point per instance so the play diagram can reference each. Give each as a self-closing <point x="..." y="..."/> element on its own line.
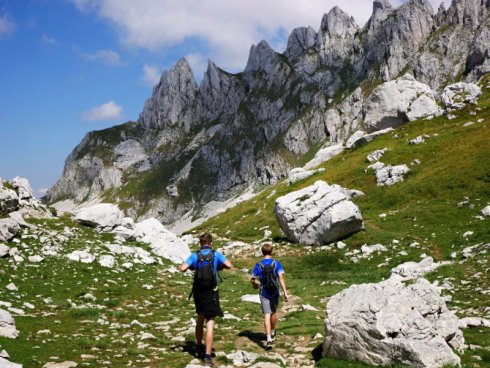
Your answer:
<point x="205" y="239"/>
<point x="267" y="249"/>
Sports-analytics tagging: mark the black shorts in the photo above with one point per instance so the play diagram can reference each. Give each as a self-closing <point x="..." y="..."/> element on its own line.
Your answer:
<point x="207" y="303"/>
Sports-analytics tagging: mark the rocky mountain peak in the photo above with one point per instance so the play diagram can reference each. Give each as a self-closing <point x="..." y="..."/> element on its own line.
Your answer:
<point x="300" y="40"/>
<point x="261" y="57"/>
<point x="467" y="12"/>
<point x="381" y="10"/>
<point x="338" y="23"/>
<point x="175" y="91"/>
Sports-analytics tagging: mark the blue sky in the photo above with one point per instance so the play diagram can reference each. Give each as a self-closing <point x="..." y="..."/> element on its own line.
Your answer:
<point x="72" y="66"/>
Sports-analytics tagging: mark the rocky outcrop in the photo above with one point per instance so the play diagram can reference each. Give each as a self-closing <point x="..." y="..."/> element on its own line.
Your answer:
<point x="458" y="95"/>
<point x="7" y="325"/>
<point x="390" y="175"/>
<point x="8" y="229"/>
<point x="252" y="128"/>
<point x="392" y="323"/>
<point x="318" y="214"/>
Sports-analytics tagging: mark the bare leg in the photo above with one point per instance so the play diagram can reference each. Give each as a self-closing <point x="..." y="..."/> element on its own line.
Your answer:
<point x="267" y="324"/>
<point x="273" y="321"/>
<point x="199" y="329"/>
<point x="209" y="335"/>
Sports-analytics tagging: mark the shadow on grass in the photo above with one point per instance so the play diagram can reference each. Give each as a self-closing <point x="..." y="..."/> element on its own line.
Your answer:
<point x="188" y="347"/>
<point x="317" y="353"/>
<point x="256" y="337"/>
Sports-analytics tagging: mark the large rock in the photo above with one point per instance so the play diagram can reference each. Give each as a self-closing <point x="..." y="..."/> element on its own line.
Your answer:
<point x="163" y="243"/>
<point x="4" y="250"/>
<point x="390" y="175"/>
<point x="81" y="256"/>
<point x="8" y="229"/>
<point x="360" y="138"/>
<point x="323" y="155"/>
<point x="23" y="187"/>
<point x="9" y="201"/>
<point x="318" y="214"/>
<point x="392" y="323"/>
<point x="299" y="173"/>
<point x="4" y="363"/>
<point x="7" y="325"/>
<point x="396" y="102"/>
<point x="458" y="95"/>
<point x="102" y="215"/>
<point x="413" y="270"/>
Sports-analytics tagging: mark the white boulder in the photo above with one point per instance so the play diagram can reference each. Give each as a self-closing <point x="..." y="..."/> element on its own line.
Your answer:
<point x="8" y="229"/>
<point x="390" y="175"/>
<point x="23" y="187"/>
<point x="4" y="363"/>
<point x="457" y="96"/>
<point x="299" y="173"/>
<point x="376" y="155"/>
<point x="66" y="364"/>
<point x="107" y="261"/>
<point x="251" y="298"/>
<point x="81" y="256"/>
<point x="392" y="323"/>
<point x="396" y="102"/>
<point x="360" y="138"/>
<point x="323" y="155"/>
<point x="4" y="250"/>
<point x="35" y="259"/>
<point x="485" y="211"/>
<point x="7" y="325"/>
<point x="102" y="216"/>
<point x="318" y="214"/>
<point x="124" y="232"/>
<point x="163" y="242"/>
<point x="473" y="322"/>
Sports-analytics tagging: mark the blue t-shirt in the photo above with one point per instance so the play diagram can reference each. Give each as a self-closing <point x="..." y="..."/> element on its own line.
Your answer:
<point x="257" y="273"/>
<point x="218" y="258"/>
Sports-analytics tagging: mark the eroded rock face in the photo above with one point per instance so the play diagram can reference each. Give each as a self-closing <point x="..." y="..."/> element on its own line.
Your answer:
<point x="318" y="214"/>
<point x="390" y="175"/>
<point x="392" y="323"/>
<point x="396" y="102"/>
<point x="458" y="95"/>
<point x="9" y="201"/>
<point x="8" y="229"/>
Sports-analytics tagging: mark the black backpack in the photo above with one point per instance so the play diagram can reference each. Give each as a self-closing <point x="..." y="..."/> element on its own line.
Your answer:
<point x="269" y="277"/>
<point x="205" y="275"/>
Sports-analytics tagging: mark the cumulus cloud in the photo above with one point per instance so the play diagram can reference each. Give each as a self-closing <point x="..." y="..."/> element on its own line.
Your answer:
<point x="7" y="25"/>
<point x="225" y="28"/>
<point x="108" y="111"/>
<point x="151" y="74"/>
<point x="107" y="57"/>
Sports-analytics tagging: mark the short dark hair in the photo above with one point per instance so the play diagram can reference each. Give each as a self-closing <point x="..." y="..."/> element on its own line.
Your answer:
<point x="206" y="239"/>
<point x="267" y="249"/>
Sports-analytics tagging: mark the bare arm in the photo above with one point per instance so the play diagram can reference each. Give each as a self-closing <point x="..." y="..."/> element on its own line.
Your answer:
<point x="183" y="267"/>
<point x="255" y="283"/>
<point x="283" y="286"/>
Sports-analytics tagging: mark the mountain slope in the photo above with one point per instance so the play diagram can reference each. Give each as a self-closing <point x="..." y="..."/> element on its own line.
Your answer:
<point x="193" y="144"/>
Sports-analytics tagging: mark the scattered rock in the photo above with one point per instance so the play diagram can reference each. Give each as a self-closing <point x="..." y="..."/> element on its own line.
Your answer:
<point x="390" y="175"/>
<point x="360" y="138"/>
<point x="241" y="357"/>
<point x="4" y="250"/>
<point x="376" y="155"/>
<point x="81" y="256"/>
<point x="107" y="261"/>
<point x="485" y="211"/>
<point x="473" y="322"/>
<point x="67" y="364"/>
<point x="318" y="214"/>
<point x="35" y="259"/>
<point x="11" y="287"/>
<point x="413" y="270"/>
<point x="255" y="298"/>
<point x="457" y="96"/>
<point x="323" y="155"/>
<point x="392" y="323"/>
<point x="419" y="140"/>
<point x="298" y="174"/>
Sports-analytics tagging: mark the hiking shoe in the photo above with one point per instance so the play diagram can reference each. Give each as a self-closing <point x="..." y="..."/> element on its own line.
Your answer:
<point x="200" y="352"/>
<point x="209" y="362"/>
<point x="268" y="346"/>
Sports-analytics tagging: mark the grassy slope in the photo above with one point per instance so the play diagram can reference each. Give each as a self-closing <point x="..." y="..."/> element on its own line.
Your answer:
<point x="454" y="164"/>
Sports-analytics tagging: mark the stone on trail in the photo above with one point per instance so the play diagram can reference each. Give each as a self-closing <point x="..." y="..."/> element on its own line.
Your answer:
<point x="413" y="270"/>
<point x="67" y="364"/>
<point x="241" y="357"/>
<point x="299" y="173"/>
<point x="486" y="211"/>
<point x="473" y="322"/>
<point x="7" y="325"/>
<point x="101" y="216"/>
<point x="318" y="214"/>
<point x="323" y="155"/>
<point x="392" y="323"/>
<point x="107" y="261"/>
<point x="254" y="298"/>
<point x="81" y="256"/>
<point x="35" y="259"/>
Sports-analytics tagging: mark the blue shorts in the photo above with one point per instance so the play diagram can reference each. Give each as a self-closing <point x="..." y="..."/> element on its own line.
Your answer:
<point x="269" y="306"/>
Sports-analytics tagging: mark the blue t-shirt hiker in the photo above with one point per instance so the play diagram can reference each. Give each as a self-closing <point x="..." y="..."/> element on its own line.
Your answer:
<point x="268" y="275"/>
<point x="205" y="263"/>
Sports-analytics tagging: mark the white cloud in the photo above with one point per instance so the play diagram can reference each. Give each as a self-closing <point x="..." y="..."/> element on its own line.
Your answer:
<point x="198" y="63"/>
<point x="224" y="28"/>
<point x="151" y="74"/>
<point x="48" y="40"/>
<point x="7" y="25"/>
<point x="108" y="111"/>
<point x="107" y="57"/>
